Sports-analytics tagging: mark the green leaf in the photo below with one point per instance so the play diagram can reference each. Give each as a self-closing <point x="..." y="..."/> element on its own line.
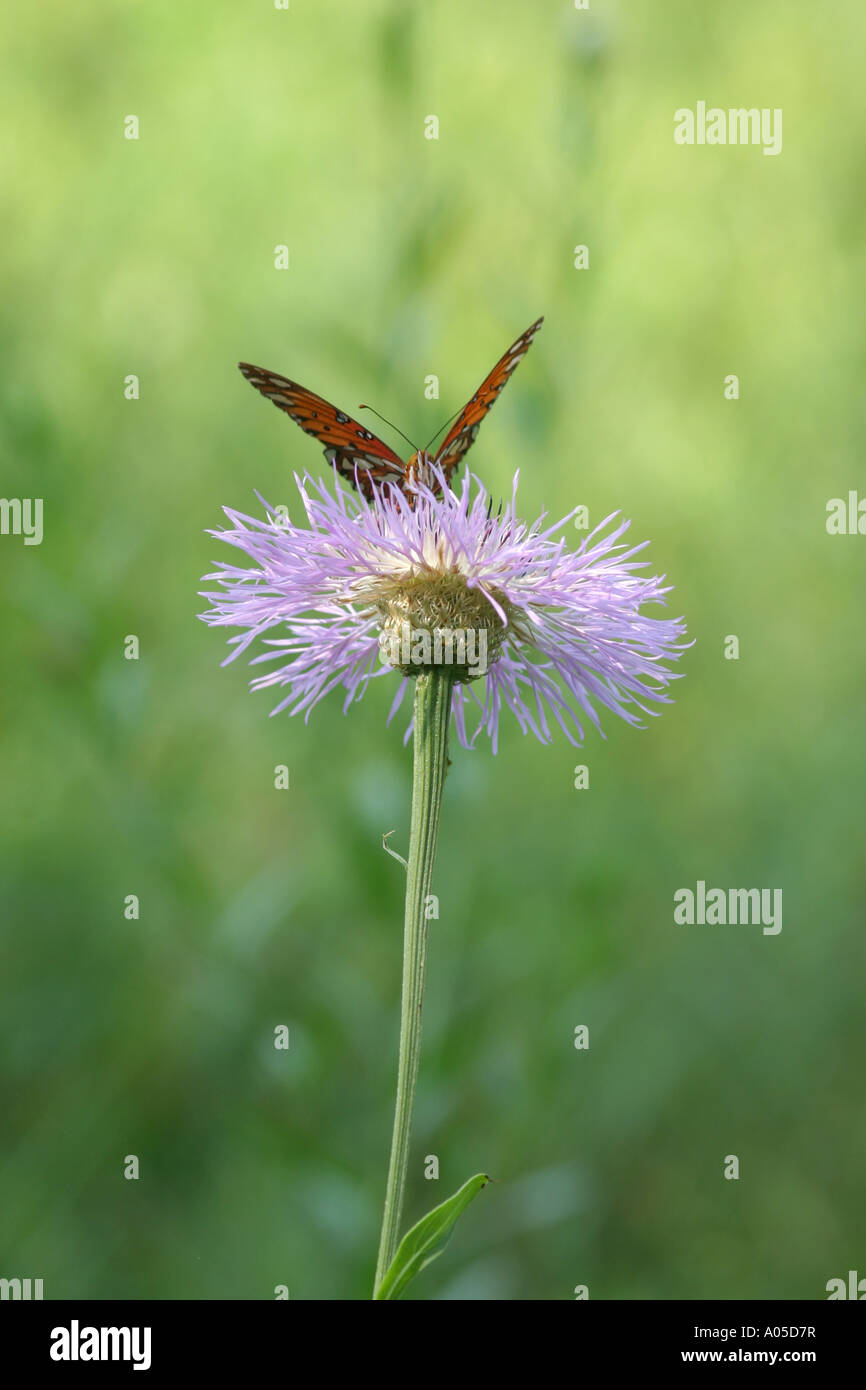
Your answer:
<point x="427" y="1240"/>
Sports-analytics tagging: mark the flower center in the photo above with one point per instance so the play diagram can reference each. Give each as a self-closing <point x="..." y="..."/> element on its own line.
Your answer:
<point x="437" y="620"/>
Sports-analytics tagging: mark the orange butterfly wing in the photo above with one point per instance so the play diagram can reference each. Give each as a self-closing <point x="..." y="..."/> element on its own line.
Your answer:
<point x="462" y="433"/>
<point x="347" y="444"/>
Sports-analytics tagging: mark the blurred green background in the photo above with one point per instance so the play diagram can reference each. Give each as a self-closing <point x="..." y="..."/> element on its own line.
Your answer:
<point x="409" y="257"/>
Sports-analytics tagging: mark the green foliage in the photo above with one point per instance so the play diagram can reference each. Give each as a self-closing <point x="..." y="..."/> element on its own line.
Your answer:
<point x="427" y="1239"/>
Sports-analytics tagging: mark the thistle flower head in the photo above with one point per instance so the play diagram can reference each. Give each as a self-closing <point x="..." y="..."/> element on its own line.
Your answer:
<point x="368" y="586"/>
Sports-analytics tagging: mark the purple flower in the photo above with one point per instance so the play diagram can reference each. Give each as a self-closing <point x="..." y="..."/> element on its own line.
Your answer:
<point x="368" y="586"/>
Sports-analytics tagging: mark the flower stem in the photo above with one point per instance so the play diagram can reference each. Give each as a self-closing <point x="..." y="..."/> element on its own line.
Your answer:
<point x="432" y="716"/>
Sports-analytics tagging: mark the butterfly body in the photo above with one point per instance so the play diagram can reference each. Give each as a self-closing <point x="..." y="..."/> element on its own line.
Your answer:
<point x="364" y="459"/>
<point x="418" y="470"/>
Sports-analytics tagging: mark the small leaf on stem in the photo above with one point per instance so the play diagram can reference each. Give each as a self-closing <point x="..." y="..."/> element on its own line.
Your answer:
<point x="427" y="1239"/>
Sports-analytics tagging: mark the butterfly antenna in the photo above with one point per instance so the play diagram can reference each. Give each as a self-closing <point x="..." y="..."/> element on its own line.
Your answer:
<point x="393" y="427"/>
<point x="443" y="427"/>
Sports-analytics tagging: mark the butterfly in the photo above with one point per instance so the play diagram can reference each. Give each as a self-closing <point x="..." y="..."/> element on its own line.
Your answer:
<point x="360" y="455"/>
